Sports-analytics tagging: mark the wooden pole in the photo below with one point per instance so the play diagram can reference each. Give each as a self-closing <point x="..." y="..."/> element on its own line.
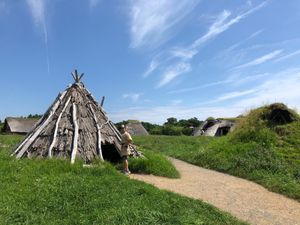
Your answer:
<point x="102" y="101"/>
<point x="99" y="147"/>
<point x="56" y="128"/>
<point x="75" y="136"/>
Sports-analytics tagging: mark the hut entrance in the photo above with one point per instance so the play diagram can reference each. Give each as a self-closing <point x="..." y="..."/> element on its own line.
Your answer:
<point x="222" y="131"/>
<point x="110" y="153"/>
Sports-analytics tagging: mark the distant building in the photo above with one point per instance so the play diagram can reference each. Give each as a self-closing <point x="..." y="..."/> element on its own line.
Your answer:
<point x="16" y="125"/>
<point x="136" y="128"/>
<point x="214" y="128"/>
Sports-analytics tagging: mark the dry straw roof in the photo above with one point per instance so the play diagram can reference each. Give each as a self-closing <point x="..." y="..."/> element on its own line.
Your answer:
<point x="74" y="126"/>
<point x="19" y="125"/>
<point x="136" y="128"/>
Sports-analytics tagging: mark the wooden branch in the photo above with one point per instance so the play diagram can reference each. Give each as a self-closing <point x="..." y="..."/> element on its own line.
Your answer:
<point x="56" y="128"/>
<point x="75" y="137"/>
<point x="99" y="137"/>
<point x="102" y="101"/>
<point x="27" y="142"/>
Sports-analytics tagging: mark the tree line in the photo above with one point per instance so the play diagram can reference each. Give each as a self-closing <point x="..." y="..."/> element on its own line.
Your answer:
<point x="172" y="126"/>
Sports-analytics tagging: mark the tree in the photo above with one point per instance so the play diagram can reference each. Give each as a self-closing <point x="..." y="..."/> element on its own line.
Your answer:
<point x="172" y="130"/>
<point x="194" y="122"/>
<point x="171" y="121"/>
<point x="210" y="118"/>
<point x="35" y="116"/>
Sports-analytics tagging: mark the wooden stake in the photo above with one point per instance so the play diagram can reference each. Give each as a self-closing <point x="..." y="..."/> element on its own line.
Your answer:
<point x="56" y="128"/>
<point x="102" y="101"/>
<point x="75" y="137"/>
<point x="99" y="147"/>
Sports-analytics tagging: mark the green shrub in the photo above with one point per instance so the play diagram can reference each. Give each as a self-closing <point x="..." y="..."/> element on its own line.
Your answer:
<point x="153" y="163"/>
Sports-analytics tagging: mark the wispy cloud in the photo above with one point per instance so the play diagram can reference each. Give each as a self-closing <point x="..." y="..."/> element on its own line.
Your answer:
<point x="173" y="72"/>
<point x="283" y="87"/>
<point x="133" y="96"/>
<point x="176" y="102"/>
<point x="183" y="55"/>
<point x="153" y="65"/>
<point x="223" y="23"/>
<point x="287" y="56"/>
<point x="233" y="47"/>
<point x="234" y="94"/>
<point x="235" y="80"/>
<point x="260" y="60"/>
<point x="150" y="21"/>
<point x="37" y="9"/>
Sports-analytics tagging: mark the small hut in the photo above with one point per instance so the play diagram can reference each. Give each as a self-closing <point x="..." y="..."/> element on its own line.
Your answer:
<point x="17" y="125"/>
<point x="74" y="126"/>
<point x="214" y="128"/>
<point x="136" y="128"/>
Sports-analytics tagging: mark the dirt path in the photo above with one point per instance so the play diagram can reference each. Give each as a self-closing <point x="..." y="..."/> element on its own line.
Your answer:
<point x="244" y="199"/>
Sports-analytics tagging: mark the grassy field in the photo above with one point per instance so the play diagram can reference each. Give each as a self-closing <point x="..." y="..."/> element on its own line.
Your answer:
<point x="55" y="192"/>
<point x="268" y="154"/>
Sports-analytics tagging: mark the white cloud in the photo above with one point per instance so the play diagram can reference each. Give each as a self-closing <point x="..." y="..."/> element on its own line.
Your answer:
<point x="234" y="94"/>
<point x="221" y="24"/>
<point x="176" y="102"/>
<point x="282" y="87"/>
<point x="133" y="96"/>
<point x="150" y="21"/>
<point x="183" y="53"/>
<point x="37" y="9"/>
<point x="94" y="3"/>
<point x="260" y="60"/>
<point x="174" y="71"/>
<point x="288" y="56"/>
<point x="153" y="65"/>
<point x="235" y="80"/>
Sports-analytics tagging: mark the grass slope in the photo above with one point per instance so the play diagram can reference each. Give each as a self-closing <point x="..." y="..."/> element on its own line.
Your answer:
<point x="55" y="192"/>
<point x="258" y="150"/>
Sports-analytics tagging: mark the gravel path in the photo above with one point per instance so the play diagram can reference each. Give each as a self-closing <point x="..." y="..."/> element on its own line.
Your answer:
<point x="244" y="199"/>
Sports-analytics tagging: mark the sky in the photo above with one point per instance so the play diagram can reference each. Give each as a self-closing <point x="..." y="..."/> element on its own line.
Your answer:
<point x="151" y="59"/>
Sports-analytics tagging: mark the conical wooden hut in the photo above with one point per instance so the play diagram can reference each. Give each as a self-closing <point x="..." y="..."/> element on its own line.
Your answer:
<point x="74" y="126"/>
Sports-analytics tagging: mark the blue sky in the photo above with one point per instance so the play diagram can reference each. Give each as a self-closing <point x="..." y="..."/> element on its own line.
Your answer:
<point x="151" y="59"/>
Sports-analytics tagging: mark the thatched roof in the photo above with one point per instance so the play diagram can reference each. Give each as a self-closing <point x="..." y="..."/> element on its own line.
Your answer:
<point x="19" y="125"/>
<point x="136" y="128"/>
<point x="75" y="125"/>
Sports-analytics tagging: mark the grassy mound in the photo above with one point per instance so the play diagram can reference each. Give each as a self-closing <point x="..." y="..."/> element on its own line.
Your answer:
<point x="55" y="192"/>
<point x="264" y="147"/>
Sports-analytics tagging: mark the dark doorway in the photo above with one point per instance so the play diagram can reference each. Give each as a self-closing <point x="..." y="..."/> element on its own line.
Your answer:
<point x="110" y="153"/>
<point x="222" y="131"/>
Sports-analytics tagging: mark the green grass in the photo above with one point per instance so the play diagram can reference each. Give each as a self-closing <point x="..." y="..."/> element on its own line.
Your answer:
<point x="153" y="163"/>
<point x="55" y="192"/>
<point x="257" y="150"/>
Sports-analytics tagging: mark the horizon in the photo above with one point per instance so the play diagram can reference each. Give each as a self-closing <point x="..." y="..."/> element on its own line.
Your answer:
<point x="151" y="60"/>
